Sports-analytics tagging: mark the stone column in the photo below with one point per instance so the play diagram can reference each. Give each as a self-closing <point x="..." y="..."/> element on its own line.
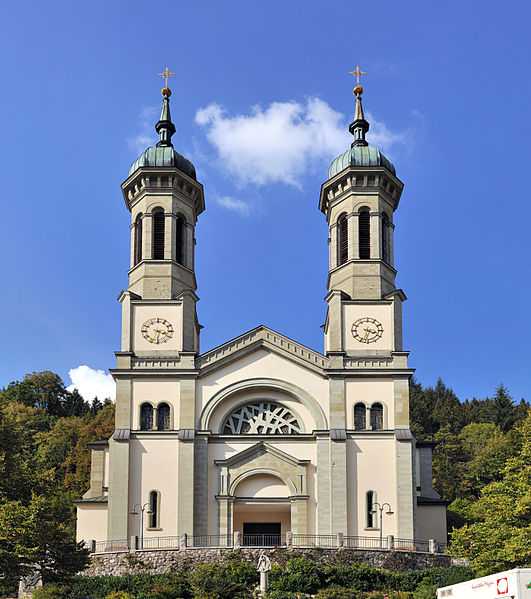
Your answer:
<point x="390" y="237"/>
<point x="169" y="235"/>
<point x="189" y="244"/>
<point x="225" y="515"/>
<point x="354" y="236"/>
<point x="332" y="248"/>
<point x="299" y="515"/>
<point x="376" y="231"/>
<point x="147" y="236"/>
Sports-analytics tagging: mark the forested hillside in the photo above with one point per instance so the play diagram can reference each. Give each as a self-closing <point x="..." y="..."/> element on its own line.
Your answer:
<point x="482" y="466"/>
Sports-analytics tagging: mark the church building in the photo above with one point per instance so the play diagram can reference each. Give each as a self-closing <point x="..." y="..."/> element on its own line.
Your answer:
<point x="261" y="436"/>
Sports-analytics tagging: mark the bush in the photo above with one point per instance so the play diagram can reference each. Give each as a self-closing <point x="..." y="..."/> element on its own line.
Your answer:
<point x="426" y="591"/>
<point x="339" y="593"/>
<point x="284" y="595"/>
<point x="359" y="576"/>
<point x="120" y="595"/>
<point x="298" y="575"/>
<point x="389" y="595"/>
<point x="52" y="591"/>
<point x="212" y="581"/>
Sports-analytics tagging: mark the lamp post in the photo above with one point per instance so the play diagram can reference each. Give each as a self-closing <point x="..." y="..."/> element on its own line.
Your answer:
<point x="135" y="513"/>
<point x="377" y="506"/>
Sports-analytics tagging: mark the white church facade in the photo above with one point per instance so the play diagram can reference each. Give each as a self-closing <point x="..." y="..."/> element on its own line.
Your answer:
<point x="261" y="435"/>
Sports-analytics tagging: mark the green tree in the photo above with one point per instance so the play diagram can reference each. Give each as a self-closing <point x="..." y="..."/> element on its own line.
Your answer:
<point x="500" y="537"/>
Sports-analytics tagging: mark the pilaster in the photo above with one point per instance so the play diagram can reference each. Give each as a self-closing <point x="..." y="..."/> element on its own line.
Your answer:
<point x="119" y="508"/>
<point x="323" y="485"/>
<point x="200" y="484"/>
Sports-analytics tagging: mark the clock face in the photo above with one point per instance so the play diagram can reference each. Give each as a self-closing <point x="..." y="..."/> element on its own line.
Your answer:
<point x="367" y="330"/>
<point x="157" y="330"/>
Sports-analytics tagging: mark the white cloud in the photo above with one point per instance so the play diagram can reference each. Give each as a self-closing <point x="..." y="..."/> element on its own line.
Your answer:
<point x="275" y="144"/>
<point x="146" y="130"/>
<point x="283" y="141"/>
<point x="239" y="206"/>
<point x="92" y="383"/>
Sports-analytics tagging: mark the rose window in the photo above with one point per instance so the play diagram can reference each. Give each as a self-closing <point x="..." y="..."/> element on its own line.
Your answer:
<point x="261" y="418"/>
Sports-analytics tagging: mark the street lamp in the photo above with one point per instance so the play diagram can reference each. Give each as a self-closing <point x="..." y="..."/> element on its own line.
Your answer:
<point x="375" y="507"/>
<point x="135" y="513"/>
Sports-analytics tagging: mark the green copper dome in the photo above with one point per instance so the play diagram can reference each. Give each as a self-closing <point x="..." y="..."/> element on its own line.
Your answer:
<point x="360" y="156"/>
<point x="164" y="154"/>
<point x="360" y="153"/>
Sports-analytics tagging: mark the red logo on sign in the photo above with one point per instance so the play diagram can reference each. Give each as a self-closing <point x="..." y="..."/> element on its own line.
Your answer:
<point x="502" y="585"/>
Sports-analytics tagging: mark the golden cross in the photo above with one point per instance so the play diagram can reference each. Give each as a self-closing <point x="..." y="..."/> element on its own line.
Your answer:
<point x="166" y="74"/>
<point x="357" y="74"/>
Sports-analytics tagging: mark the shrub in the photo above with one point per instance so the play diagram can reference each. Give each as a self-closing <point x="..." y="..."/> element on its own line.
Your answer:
<point x="212" y="581"/>
<point x="426" y="591"/>
<point x="120" y="595"/>
<point x="339" y="593"/>
<point x="298" y="575"/>
<point x="284" y="595"/>
<point x="389" y="595"/>
<point x="52" y="591"/>
<point x="359" y="576"/>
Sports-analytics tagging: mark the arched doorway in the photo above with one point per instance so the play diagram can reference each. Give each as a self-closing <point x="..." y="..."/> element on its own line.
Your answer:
<point x="262" y="510"/>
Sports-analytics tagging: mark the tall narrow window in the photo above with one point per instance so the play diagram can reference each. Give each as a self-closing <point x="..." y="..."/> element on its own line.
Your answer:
<point x="158" y="236"/>
<point x="365" y="235"/>
<point x="385" y="238"/>
<point x="146" y="417"/>
<point x="138" y="240"/>
<point x="342" y="239"/>
<point x="163" y="417"/>
<point x="370" y="503"/>
<point x="154" y="507"/>
<point x="377" y="417"/>
<point x="360" y="417"/>
<point x="179" y="240"/>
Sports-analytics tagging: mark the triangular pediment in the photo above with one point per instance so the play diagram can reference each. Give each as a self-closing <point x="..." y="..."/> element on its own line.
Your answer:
<point x="261" y="338"/>
<point x="256" y="450"/>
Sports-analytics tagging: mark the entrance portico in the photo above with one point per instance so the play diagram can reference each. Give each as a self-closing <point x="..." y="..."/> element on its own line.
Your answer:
<point x="264" y="486"/>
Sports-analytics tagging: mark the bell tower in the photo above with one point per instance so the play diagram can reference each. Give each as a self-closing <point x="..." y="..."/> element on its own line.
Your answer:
<point x="164" y="199"/>
<point x="155" y="372"/>
<point x="359" y="199"/>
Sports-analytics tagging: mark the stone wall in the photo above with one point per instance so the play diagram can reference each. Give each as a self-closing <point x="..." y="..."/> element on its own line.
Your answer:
<point x="159" y="561"/>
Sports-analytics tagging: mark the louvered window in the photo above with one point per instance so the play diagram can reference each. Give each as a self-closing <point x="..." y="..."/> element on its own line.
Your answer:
<point x="146" y="417"/>
<point x="163" y="417"/>
<point x="385" y="238"/>
<point x="138" y="239"/>
<point x="179" y="241"/>
<point x="158" y="236"/>
<point x="377" y="417"/>
<point x="360" y="417"/>
<point x="342" y="239"/>
<point x="365" y="235"/>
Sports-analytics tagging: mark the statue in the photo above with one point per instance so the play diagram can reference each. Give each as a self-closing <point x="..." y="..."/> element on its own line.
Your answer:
<point x="264" y="565"/>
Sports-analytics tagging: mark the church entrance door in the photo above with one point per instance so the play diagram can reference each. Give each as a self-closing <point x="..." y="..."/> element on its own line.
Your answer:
<point x="261" y="534"/>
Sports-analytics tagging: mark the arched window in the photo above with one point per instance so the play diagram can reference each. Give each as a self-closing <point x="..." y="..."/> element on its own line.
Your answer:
<point x="155" y="509"/>
<point x="371" y="498"/>
<point x="163" y="417"/>
<point x="360" y="417"/>
<point x="377" y="417"/>
<point x="342" y="239"/>
<point x="158" y="235"/>
<point x="179" y="240"/>
<point x="138" y="240"/>
<point x="365" y="234"/>
<point x="261" y="418"/>
<point x="385" y="238"/>
<point x="146" y="417"/>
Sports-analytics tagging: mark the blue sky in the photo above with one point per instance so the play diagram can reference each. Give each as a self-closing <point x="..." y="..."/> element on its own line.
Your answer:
<point x="261" y="101"/>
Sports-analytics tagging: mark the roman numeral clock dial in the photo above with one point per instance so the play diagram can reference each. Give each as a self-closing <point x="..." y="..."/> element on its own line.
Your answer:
<point x="157" y="330"/>
<point x="367" y="330"/>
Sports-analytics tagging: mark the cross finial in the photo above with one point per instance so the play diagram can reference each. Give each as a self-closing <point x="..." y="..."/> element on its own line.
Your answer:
<point x="356" y="73"/>
<point x="166" y="74"/>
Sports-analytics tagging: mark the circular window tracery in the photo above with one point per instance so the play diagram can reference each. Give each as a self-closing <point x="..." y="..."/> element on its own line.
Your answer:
<point x="261" y="418"/>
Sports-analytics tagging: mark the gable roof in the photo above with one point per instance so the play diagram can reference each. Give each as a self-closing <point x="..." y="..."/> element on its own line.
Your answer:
<point x="261" y="337"/>
<point x="257" y="449"/>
